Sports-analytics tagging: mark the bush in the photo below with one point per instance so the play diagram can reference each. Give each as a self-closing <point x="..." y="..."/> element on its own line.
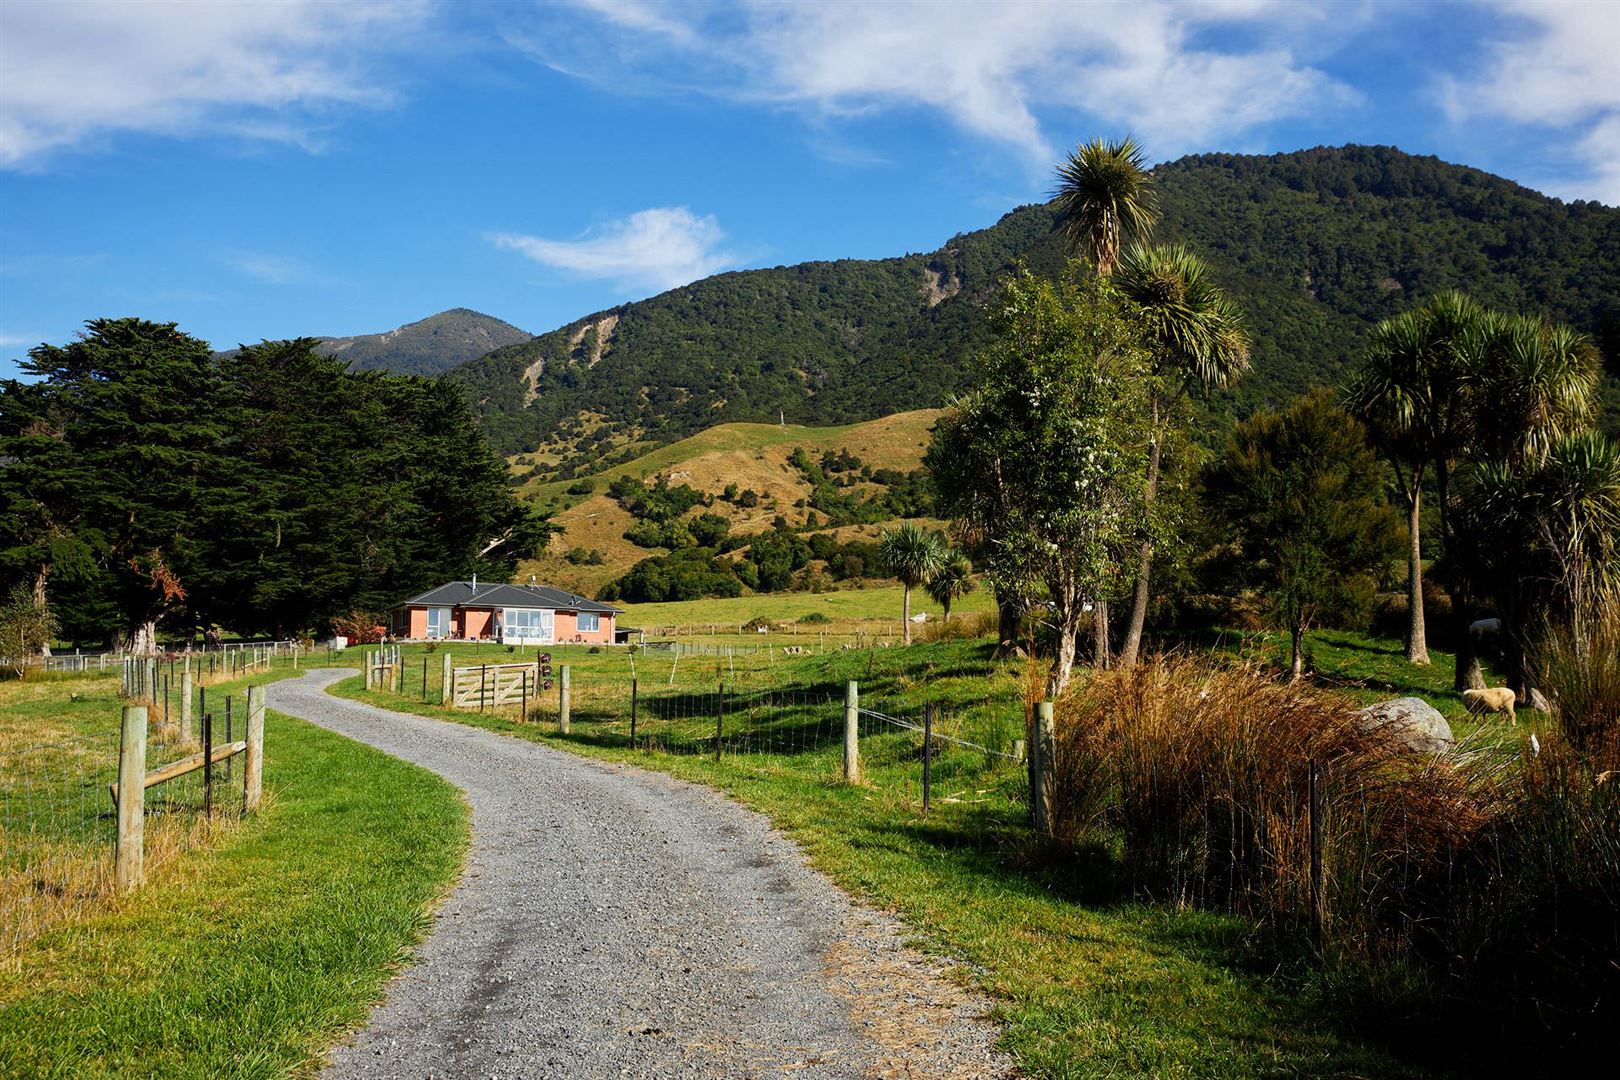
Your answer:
<point x="815" y="618"/>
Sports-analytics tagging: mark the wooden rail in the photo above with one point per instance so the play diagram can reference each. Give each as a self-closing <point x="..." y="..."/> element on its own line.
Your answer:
<point x="176" y="769"/>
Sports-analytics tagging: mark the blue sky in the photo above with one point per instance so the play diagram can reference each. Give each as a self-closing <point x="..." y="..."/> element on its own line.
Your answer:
<point x="268" y="170"/>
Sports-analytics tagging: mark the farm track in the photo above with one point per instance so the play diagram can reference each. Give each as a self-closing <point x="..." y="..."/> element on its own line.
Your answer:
<point x="614" y="922"/>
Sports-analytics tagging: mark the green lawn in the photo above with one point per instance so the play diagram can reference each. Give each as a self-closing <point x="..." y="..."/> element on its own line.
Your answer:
<point x="248" y="956"/>
<point x="879" y="605"/>
<point x="1087" y="984"/>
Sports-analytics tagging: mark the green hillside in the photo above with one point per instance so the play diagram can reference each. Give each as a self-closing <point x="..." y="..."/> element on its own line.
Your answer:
<point x="1317" y="244"/>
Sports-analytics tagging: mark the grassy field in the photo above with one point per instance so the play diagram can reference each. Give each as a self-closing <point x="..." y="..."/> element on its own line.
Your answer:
<point x="1088" y="983"/>
<point x="250" y="954"/>
<point x="874" y="612"/>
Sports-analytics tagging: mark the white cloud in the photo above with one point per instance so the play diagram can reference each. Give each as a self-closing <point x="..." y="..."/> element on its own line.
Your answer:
<point x="1555" y="68"/>
<point x="662" y="248"/>
<point x="989" y="68"/>
<point x="271" y="269"/>
<point x="72" y="71"/>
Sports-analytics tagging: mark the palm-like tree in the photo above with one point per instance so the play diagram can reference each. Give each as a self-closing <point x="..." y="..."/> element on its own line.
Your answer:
<point x="1535" y="386"/>
<point x="954" y="578"/>
<point x="912" y="554"/>
<point x="1105" y="199"/>
<point x="1414" y="391"/>
<point x="1197" y="340"/>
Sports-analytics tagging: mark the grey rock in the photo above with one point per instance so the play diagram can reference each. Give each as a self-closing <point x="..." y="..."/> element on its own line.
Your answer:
<point x="1411" y="721"/>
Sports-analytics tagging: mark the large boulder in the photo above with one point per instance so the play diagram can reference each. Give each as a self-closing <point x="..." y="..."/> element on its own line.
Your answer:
<point x="1410" y="721"/>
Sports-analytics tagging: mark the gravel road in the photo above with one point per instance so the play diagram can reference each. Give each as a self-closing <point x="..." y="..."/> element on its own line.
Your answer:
<point x="613" y="922"/>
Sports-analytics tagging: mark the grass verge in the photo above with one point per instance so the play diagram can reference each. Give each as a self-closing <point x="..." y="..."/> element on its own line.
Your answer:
<point x="248" y="958"/>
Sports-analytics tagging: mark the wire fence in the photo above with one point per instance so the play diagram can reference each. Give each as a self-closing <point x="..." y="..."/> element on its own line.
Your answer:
<point x="58" y="813"/>
<point x="230" y="656"/>
<point x="743" y="710"/>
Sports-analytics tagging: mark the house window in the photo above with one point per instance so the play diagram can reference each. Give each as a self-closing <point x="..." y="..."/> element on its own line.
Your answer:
<point x="589" y="622"/>
<point x="527" y="624"/>
<point x="438" y="622"/>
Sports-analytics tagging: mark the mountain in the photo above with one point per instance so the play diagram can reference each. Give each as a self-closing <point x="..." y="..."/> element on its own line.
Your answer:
<point x="1317" y="246"/>
<point x="429" y="347"/>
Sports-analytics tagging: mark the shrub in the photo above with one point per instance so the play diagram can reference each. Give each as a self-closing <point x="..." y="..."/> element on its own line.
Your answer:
<point x="815" y="618"/>
<point x="361" y="627"/>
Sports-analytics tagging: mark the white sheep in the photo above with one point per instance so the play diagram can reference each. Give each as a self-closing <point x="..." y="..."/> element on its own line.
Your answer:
<point x="1497" y="699"/>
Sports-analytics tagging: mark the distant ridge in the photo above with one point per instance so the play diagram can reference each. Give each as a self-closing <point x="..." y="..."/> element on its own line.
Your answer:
<point x="430" y="346"/>
<point x="1317" y="246"/>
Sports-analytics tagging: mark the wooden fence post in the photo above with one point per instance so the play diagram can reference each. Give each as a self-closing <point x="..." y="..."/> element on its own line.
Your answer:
<point x="852" y="733"/>
<point x="446" y="683"/>
<point x="131" y="798"/>
<point x="928" y="753"/>
<point x="253" y="760"/>
<point x="1315" y="811"/>
<point x="367" y="665"/>
<point x="1040" y="767"/>
<point x="185" y="704"/>
<point x="719" y="721"/>
<point x="563" y="698"/>
<point x="632" y="711"/>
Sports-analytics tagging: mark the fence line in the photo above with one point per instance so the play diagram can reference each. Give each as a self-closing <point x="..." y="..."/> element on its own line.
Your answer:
<point x="82" y="816"/>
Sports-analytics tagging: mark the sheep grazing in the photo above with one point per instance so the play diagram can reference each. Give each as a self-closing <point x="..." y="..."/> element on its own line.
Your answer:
<point x="1497" y="699"/>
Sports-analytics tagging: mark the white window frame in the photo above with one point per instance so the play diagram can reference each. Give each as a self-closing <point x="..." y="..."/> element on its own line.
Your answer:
<point x="542" y="629"/>
<point x="596" y="622"/>
<point x="438" y="622"/>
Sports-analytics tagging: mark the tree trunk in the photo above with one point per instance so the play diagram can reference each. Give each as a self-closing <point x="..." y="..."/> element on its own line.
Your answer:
<point x="1063" y="662"/>
<point x="1417" y="644"/>
<point x="1007" y="618"/>
<point x="39" y="601"/>
<point x="1470" y="676"/>
<point x="1099" y="633"/>
<point x="905" y="615"/>
<point x="1296" y="666"/>
<point x="947" y="607"/>
<point x="1139" y="600"/>
<point x="143" y="639"/>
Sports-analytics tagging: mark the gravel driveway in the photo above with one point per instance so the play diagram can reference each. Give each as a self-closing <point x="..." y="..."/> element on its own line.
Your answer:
<point x="613" y="922"/>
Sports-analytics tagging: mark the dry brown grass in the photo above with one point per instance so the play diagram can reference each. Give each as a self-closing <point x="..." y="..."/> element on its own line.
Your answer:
<point x="1202" y="772"/>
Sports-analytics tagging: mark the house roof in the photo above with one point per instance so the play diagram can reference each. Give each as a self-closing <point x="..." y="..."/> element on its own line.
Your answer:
<point x="496" y="594"/>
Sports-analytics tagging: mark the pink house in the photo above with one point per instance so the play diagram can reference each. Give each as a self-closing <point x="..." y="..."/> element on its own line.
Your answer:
<point x="535" y="614"/>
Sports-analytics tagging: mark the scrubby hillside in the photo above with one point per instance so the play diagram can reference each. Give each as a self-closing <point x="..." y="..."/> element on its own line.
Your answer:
<point x="748" y="476"/>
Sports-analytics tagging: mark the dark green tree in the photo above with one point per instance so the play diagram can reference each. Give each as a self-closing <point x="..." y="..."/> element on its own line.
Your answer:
<point x="130" y="417"/>
<point x="1304" y="498"/>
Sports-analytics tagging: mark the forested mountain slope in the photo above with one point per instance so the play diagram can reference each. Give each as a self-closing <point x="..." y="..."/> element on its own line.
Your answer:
<point x="1318" y="245"/>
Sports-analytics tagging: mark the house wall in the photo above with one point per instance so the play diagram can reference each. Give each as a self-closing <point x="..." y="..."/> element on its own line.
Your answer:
<point x="415" y="623"/>
<point x="474" y="622"/>
<point x="568" y="628"/>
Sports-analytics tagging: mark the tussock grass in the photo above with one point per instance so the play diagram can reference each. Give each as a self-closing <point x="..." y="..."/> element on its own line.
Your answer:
<point x="1479" y="886"/>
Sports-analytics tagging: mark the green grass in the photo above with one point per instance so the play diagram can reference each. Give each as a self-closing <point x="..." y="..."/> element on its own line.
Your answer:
<point x="246" y="958"/>
<point x="1086" y="985"/>
<point x="879" y="604"/>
